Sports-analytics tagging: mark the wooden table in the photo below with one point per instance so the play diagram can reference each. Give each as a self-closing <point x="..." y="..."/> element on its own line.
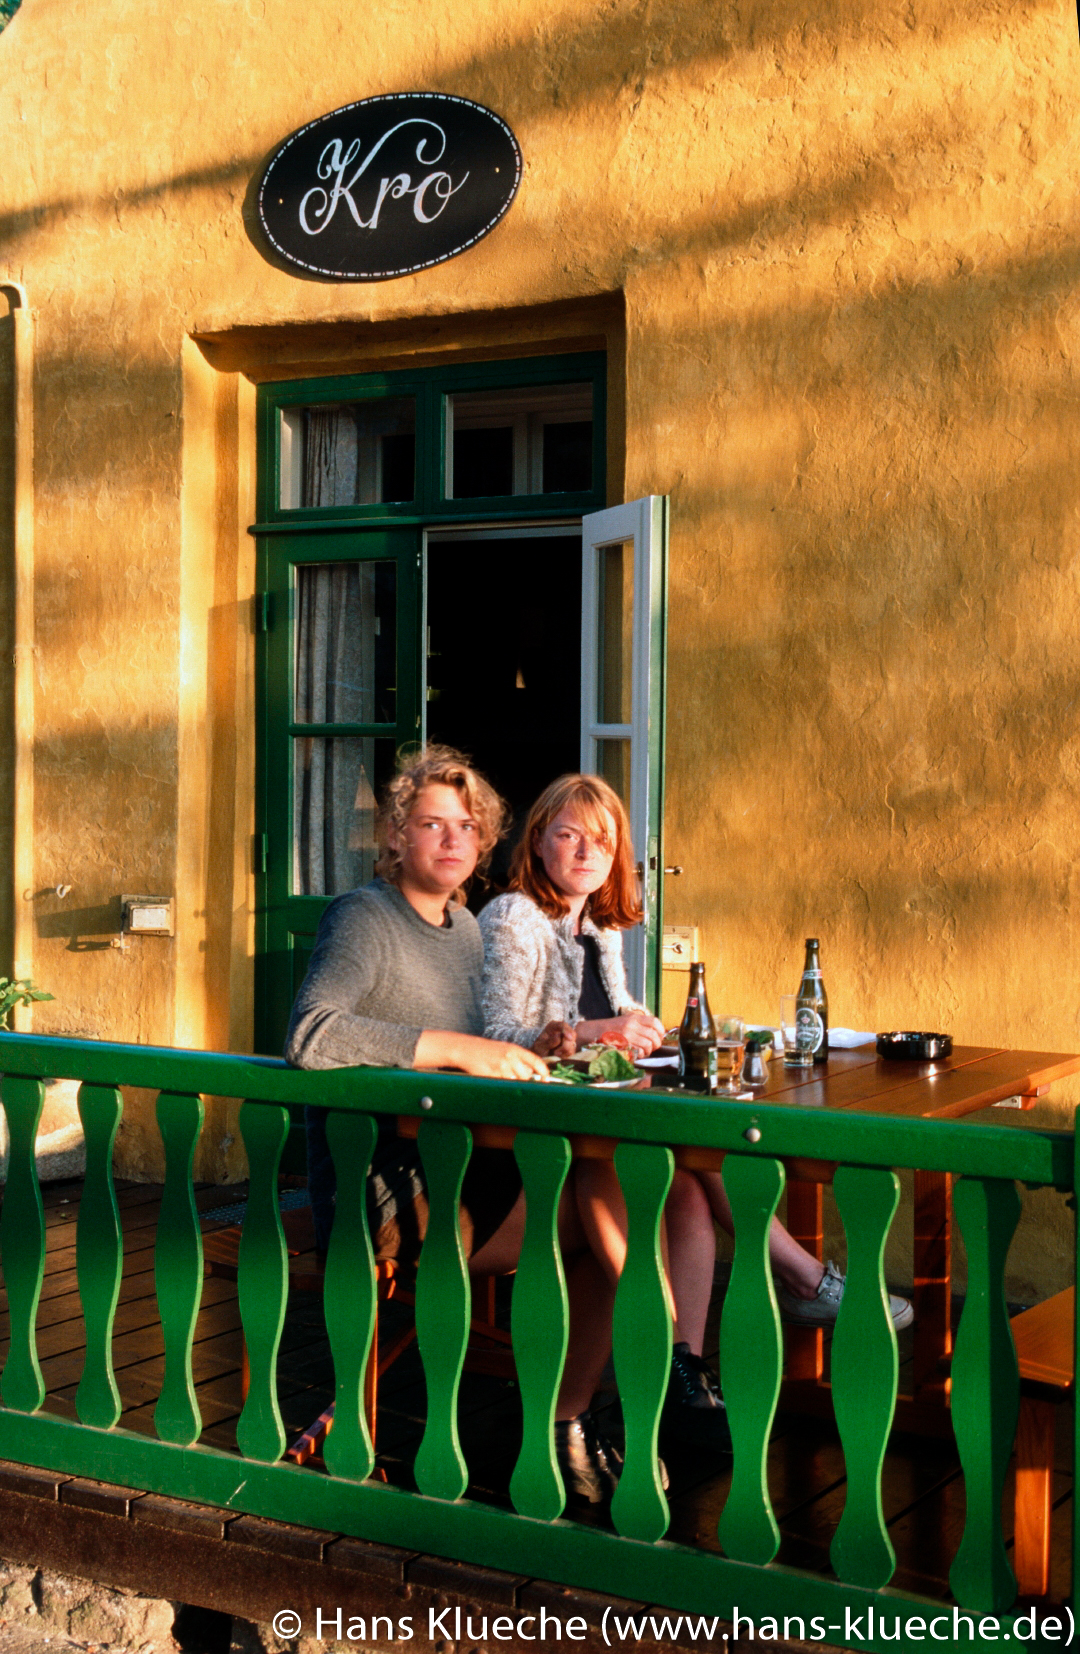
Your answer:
<point x="973" y="1078"/>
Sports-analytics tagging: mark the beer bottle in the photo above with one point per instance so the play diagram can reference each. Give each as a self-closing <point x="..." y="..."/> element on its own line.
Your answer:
<point x="697" y="1037"/>
<point x="812" y="994"/>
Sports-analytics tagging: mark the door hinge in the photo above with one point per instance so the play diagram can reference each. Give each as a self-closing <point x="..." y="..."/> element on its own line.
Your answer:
<point x="264" y="611"/>
<point x="260" y="853"/>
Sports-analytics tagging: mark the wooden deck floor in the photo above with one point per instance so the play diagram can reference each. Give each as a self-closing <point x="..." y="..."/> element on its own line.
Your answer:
<point x="922" y="1492"/>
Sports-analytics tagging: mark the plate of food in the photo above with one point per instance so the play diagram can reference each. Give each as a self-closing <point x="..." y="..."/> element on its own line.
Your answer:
<point x="607" y="1061"/>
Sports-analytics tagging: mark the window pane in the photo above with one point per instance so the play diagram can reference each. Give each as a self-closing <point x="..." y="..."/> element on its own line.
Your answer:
<point x="614" y="764"/>
<point x="349" y="453"/>
<point x="336" y="781"/>
<point x="345" y="643"/>
<point x="537" y="440"/>
<point x="614" y="690"/>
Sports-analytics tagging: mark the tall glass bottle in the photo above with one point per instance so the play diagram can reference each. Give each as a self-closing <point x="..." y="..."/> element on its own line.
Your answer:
<point x="697" y="1037"/>
<point x="812" y="994"/>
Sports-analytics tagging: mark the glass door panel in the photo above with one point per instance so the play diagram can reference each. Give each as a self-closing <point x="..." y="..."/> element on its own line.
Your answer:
<point x="623" y="574"/>
<point x="615" y="625"/>
<point x="346" y="632"/>
<point x="336" y="781"/>
<point x="341" y="667"/>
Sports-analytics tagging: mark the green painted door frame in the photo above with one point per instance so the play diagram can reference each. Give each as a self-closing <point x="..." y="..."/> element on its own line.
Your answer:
<point x="289" y="536"/>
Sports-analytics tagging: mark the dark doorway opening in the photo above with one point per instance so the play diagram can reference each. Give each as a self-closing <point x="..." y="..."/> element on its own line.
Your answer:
<point x="504" y="664"/>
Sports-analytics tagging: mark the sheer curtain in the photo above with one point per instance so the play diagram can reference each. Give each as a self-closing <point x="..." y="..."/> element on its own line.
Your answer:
<point x="334" y="801"/>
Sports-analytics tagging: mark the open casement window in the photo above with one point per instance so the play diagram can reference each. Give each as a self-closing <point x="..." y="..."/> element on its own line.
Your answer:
<point x="624" y="559"/>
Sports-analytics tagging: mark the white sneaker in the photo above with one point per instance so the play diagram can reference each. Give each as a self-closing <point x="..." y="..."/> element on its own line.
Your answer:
<point x="822" y="1310"/>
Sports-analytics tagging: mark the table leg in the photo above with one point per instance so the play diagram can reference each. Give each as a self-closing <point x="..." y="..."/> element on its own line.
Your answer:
<point x="805" y="1345"/>
<point x="933" y="1283"/>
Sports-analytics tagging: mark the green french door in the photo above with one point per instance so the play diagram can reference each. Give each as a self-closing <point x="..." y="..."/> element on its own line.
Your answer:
<point x="419" y="574"/>
<point x="342" y="614"/>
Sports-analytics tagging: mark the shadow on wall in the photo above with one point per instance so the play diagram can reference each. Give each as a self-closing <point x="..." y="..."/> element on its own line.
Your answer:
<point x="86" y="928"/>
<point x="562" y="67"/>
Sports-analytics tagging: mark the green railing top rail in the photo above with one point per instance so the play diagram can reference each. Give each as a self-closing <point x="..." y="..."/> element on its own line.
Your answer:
<point x="1030" y="1155"/>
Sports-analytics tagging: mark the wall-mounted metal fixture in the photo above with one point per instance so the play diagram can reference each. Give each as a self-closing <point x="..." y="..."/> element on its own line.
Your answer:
<point x="679" y="947"/>
<point x="147" y="916"/>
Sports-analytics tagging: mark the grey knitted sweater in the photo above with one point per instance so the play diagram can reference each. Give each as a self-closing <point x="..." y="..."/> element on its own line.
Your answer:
<point x="378" y="976"/>
<point x="533" y="968"/>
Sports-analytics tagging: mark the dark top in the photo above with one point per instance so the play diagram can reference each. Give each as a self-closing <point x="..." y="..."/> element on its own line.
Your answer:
<point x="594" y="1004"/>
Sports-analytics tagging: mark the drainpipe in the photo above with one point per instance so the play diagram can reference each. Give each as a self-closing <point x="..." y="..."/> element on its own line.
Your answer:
<point x="23" y="627"/>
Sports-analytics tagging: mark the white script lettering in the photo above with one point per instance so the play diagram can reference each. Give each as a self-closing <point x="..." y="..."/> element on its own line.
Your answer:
<point x="319" y="205"/>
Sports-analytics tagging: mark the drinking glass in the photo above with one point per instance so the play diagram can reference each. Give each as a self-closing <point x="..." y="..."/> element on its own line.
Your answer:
<point x="802" y="1032"/>
<point x="730" y="1051"/>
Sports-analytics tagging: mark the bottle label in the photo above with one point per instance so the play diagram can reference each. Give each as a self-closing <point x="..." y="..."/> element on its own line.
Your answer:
<point x="698" y="1067"/>
<point x="809" y="1028"/>
<point x="812" y="976"/>
<point x="692" y="1001"/>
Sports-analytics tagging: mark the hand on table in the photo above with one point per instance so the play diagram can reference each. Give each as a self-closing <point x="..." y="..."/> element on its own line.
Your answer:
<point x="488" y="1059"/>
<point x="640" y="1030"/>
<point x="556" y="1040"/>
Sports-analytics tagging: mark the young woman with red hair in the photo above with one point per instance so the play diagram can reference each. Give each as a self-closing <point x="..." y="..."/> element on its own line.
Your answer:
<point x="554" y="981"/>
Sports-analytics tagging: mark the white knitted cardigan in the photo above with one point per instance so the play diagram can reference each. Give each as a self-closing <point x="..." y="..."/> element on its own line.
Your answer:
<point x="533" y="968"/>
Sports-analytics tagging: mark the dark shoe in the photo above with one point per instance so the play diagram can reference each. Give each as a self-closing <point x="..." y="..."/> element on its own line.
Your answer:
<point x="694" y="1410"/>
<point x="590" y="1466"/>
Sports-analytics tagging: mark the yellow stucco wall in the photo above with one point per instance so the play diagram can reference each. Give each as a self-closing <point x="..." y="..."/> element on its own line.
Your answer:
<point x="842" y="246"/>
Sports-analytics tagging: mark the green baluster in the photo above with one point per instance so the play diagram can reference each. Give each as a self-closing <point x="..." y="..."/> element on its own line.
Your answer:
<point x="443" y="1303"/>
<point x="865" y="1369"/>
<point x="263" y="1281"/>
<point x="751" y="1357"/>
<point x="178" y="1267"/>
<point x="349" y="1295"/>
<point x="99" y="1255"/>
<point x="642" y="1329"/>
<point x="539" y="1323"/>
<point x="986" y="1391"/>
<point x="1074" y="1592"/>
<point x="22" y="1244"/>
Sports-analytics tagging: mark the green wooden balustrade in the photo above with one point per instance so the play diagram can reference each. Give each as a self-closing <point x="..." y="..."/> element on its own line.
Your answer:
<point x="178" y="1267"/>
<point x="630" y="1559"/>
<point x="540" y="1300"/>
<point x="99" y="1255"/>
<point x="349" y="1299"/>
<point x="642" y="1338"/>
<point x="751" y="1358"/>
<point x="22" y="1244"/>
<point x="263" y="1281"/>
<point x="443" y="1307"/>
<point x="985" y="1390"/>
<point x="865" y="1371"/>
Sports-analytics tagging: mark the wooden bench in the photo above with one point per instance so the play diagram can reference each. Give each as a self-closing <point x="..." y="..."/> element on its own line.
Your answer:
<point x="1045" y="1348"/>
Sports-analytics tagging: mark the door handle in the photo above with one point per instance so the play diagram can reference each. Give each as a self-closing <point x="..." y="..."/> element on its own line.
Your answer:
<point x="640" y="869"/>
<point x="674" y="871"/>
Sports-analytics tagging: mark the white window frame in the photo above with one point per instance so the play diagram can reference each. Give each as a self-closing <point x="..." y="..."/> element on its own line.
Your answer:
<point x="642" y="523"/>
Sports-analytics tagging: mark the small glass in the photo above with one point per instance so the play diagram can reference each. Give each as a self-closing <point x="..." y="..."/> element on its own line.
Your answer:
<point x="730" y="1052"/>
<point x="802" y="1030"/>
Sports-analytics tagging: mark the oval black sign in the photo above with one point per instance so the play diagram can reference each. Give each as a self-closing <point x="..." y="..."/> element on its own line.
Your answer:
<point x="389" y="186"/>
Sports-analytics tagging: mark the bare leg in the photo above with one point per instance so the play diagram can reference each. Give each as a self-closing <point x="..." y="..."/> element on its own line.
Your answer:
<point x="692" y="1256"/>
<point x="687" y="1238"/>
<point x="800" y="1272"/>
